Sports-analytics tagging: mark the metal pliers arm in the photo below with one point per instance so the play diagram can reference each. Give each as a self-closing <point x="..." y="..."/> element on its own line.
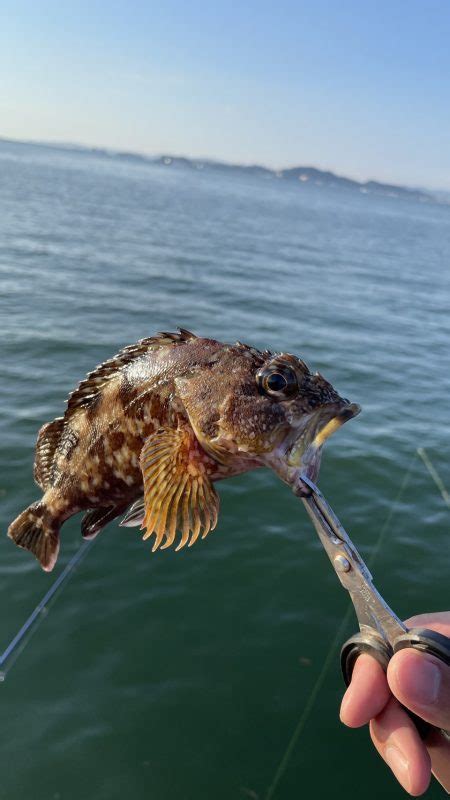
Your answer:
<point x="381" y="632"/>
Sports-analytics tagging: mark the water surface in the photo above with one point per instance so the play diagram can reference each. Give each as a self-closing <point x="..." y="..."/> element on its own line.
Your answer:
<point x="183" y="675"/>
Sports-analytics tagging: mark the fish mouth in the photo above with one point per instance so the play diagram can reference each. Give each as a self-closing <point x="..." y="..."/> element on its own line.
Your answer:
<point x="300" y="453"/>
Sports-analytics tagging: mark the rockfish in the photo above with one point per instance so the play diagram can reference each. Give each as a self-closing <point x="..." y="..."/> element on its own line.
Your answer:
<point x="157" y="425"/>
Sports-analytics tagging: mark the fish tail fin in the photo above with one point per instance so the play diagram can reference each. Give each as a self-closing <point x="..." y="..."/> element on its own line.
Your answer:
<point x="37" y="531"/>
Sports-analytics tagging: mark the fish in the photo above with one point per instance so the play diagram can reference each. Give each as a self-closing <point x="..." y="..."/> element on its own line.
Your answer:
<point x="148" y="433"/>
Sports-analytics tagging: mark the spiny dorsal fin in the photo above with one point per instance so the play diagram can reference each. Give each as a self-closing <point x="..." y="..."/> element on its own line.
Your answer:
<point x="90" y="387"/>
<point x="48" y="439"/>
<point x="259" y="355"/>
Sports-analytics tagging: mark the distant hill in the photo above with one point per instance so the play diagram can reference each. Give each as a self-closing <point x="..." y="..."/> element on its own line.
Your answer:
<point x="301" y="175"/>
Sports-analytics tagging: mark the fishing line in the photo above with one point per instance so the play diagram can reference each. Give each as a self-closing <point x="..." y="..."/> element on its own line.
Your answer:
<point x="23" y="636"/>
<point x="435" y="475"/>
<point x="21" y="639"/>
<point x="337" y="640"/>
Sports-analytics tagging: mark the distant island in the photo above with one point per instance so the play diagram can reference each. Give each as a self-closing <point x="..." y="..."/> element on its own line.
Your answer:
<point x="300" y="175"/>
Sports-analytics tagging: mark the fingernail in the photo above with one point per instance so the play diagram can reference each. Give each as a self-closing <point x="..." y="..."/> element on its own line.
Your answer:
<point x="399" y="765"/>
<point x="422" y="683"/>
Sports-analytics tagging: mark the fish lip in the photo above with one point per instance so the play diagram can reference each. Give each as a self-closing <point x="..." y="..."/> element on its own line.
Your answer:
<point x="313" y="425"/>
<point x="349" y="411"/>
<point x="300" y="453"/>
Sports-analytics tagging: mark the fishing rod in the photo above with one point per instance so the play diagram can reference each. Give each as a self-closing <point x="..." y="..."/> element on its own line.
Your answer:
<point x="23" y="636"/>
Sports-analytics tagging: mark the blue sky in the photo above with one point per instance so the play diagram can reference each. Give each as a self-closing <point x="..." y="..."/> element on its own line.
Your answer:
<point x="356" y="86"/>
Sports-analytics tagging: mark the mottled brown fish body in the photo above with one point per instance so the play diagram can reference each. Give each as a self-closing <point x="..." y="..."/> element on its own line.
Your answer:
<point x="166" y="418"/>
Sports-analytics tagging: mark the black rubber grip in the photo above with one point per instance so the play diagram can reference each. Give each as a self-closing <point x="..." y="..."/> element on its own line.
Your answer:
<point x="361" y="643"/>
<point x="422" y="639"/>
<point x="427" y="641"/>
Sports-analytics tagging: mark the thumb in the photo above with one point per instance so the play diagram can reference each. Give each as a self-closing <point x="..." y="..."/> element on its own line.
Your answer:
<point x="421" y="683"/>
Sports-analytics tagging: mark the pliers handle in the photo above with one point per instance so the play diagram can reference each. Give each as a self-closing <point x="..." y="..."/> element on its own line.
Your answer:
<point x="423" y="639"/>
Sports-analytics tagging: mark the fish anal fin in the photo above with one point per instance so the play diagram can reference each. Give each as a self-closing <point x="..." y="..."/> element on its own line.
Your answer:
<point x="178" y="493"/>
<point x="96" y="519"/>
<point x="49" y="437"/>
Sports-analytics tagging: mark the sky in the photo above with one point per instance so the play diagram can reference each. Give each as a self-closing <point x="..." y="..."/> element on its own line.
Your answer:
<point x="355" y="86"/>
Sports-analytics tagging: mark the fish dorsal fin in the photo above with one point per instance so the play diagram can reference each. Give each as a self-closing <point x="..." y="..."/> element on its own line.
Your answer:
<point x="90" y="387"/>
<point x="178" y="494"/>
<point x="48" y="439"/>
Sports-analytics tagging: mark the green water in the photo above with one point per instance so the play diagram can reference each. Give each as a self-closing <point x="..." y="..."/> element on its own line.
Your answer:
<point x="182" y="676"/>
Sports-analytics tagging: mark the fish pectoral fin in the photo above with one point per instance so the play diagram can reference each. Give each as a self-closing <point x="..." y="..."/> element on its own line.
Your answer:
<point x="178" y="493"/>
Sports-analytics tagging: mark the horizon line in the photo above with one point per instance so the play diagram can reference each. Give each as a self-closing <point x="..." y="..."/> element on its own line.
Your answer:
<point x="58" y="144"/>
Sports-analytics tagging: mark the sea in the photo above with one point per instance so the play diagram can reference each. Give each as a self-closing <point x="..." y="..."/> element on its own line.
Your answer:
<point x="213" y="673"/>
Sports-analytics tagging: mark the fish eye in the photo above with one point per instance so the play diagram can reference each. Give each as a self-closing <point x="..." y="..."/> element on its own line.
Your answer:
<point x="278" y="382"/>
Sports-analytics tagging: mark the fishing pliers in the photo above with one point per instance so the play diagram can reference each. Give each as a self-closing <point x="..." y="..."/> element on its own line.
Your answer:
<point x="381" y="632"/>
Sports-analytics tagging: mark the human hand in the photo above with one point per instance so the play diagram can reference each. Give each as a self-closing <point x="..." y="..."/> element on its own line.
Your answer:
<point x="416" y="680"/>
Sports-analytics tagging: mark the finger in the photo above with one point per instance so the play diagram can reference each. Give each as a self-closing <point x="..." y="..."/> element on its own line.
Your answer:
<point x="367" y="694"/>
<point x="438" y="621"/>
<point x="398" y="743"/>
<point x="438" y="747"/>
<point x="422" y="683"/>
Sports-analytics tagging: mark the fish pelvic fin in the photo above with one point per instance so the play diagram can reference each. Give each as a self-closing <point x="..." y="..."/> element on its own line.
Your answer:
<point x="37" y="531"/>
<point x="135" y="515"/>
<point x="178" y="493"/>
